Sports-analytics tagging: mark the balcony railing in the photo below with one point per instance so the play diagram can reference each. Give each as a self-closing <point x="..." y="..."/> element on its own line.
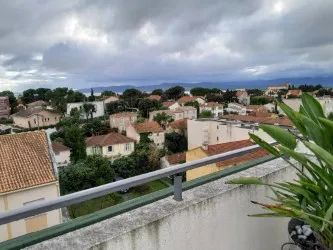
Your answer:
<point x="88" y="194"/>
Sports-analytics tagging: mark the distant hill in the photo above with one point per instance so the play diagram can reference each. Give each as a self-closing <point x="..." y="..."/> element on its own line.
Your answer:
<point x="260" y="84"/>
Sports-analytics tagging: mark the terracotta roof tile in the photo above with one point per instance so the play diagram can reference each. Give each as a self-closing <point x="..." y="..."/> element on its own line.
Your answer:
<point x="176" y="158"/>
<point x="154" y="97"/>
<point x="25" y="161"/>
<point x="59" y="147"/>
<point x="147" y="127"/>
<point x="185" y="99"/>
<point x="179" y="124"/>
<point x="123" y="114"/>
<point x="229" y="146"/>
<point x="283" y="121"/>
<point x="108" y="139"/>
<point x="168" y="103"/>
<point x="294" y="92"/>
<point x="32" y="111"/>
<point x="240" y="92"/>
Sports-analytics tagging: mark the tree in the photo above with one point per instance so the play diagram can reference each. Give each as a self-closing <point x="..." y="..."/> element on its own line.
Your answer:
<point x="74" y="139"/>
<point x="255" y="92"/>
<point x="108" y="93"/>
<point x="174" y="93"/>
<point x="12" y="100"/>
<point x="94" y="127"/>
<point x="200" y="91"/>
<point x="92" y="172"/>
<point x="330" y="116"/>
<point x="40" y="94"/>
<point x="125" y="167"/>
<point x="259" y="100"/>
<point x="214" y="98"/>
<point x="163" y="119"/>
<point x="91" y="98"/>
<point x="205" y="114"/>
<point x="88" y="109"/>
<point x="147" y="105"/>
<point x="157" y="92"/>
<point x="28" y="96"/>
<point x="229" y="96"/>
<point x="116" y="107"/>
<point x="175" y="143"/>
<point x="75" y="112"/>
<point x="131" y="97"/>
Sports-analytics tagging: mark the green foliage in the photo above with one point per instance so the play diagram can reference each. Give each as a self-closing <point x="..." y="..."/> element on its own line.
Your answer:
<point x="330" y="116"/>
<point x="95" y="127"/>
<point x="88" y="109"/>
<point x="108" y="93"/>
<point x="310" y="88"/>
<point x="157" y="92"/>
<point x="310" y="197"/>
<point x="6" y="120"/>
<point x="205" y="114"/>
<point x="125" y="167"/>
<point x="175" y="143"/>
<point x="74" y="138"/>
<point x="146" y="105"/>
<point x="163" y="119"/>
<point x="259" y="100"/>
<point x="255" y="92"/>
<point x="215" y="98"/>
<point x="174" y="93"/>
<point x="229" y="96"/>
<point x="199" y="91"/>
<point x="116" y="107"/>
<point x="92" y="172"/>
<point x="132" y="97"/>
<point x="92" y="97"/>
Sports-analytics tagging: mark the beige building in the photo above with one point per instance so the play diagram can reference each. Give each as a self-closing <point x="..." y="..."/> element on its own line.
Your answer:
<point x="38" y="104"/>
<point x="172" y="105"/>
<point x="37" y="117"/>
<point x="272" y="90"/>
<point x="4" y="107"/>
<point x="185" y="99"/>
<point x="185" y="112"/>
<point x="325" y="102"/>
<point x="152" y="129"/>
<point x="112" y="145"/>
<point x="62" y="154"/>
<point x="122" y="120"/>
<point x="215" y="108"/>
<point x="27" y="177"/>
<point x="202" y="152"/>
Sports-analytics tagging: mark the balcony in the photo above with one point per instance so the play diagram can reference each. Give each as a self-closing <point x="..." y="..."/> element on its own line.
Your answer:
<point x="204" y="213"/>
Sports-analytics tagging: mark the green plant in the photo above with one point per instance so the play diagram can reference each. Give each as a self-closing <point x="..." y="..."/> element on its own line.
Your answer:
<point x="310" y="197"/>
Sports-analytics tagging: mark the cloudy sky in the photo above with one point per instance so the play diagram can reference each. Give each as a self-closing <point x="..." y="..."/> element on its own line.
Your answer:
<point x="84" y="43"/>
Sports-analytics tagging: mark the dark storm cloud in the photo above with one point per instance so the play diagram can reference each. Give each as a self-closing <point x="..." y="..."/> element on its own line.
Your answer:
<point x="83" y="43"/>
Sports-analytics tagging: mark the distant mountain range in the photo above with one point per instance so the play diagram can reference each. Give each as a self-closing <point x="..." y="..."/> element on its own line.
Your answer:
<point x="260" y="84"/>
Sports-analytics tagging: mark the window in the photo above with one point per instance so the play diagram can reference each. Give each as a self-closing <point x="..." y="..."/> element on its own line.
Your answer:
<point x="35" y="122"/>
<point x="56" y="153"/>
<point x="109" y="148"/>
<point x="127" y="147"/>
<point x="217" y="138"/>
<point x="55" y="118"/>
<point x="157" y="134"/>
<point x="217" y="127"/>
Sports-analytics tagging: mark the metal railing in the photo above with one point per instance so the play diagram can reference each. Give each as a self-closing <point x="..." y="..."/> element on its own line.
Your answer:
<point x="88" y="194"/>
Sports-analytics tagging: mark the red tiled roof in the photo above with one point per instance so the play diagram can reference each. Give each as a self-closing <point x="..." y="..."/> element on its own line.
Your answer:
<point x="59" y="147"/>
<point x="154" y="97"/>
<point x="179" y="124"/>
<point x="283" y="121"/>
<point x="123" y="114"/>
<point x="229" y="146"/>
<point x="240" y="92"/>
<point x="185" y="99"/>
<point x="168" y="103"/>
<point x="108" y="139"/>
<point x="147" y="127"/>
<point x="25" y="161"/>
<point x="176" y="158"/>
<point x="295" y="92"/>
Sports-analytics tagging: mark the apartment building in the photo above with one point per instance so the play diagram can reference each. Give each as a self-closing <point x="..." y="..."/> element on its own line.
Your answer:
<point x="36" y="117"/>
<point x="112" y="145"/>
<point x="274" y="89"/>
<point x="184" y="112"/>
<point x="4" y="107"/>
<point x="122" y="120"/>
<point x="27" y="177"/>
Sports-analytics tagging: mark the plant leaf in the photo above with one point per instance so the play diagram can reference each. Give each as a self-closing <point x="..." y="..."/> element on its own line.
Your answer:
<point x="312" y="107"/>
<point x="320" y="153"/>
<point x="314" y="131"/>
<point x="292" y="115"/>
<point x="264" y="144"/>
<point x="281" y="135"/>
<point x="297" y="156"/>
<point x="328" y="216"/>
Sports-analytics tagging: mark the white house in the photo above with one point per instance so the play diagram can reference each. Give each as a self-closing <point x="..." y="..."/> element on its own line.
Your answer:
<point x="234" y="107"/>
<point x="184" y="112"/>
<point x="99" y="108"/>
<point x="215" y="108"/>
<point x="171" y="105"/>
<point x="62" y="154"/>
<point x="112" y="145"/>
<point x="185" y="99"/>
<point x="152" y="129"/>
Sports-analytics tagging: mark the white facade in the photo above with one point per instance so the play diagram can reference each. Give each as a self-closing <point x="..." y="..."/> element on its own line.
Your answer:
<point x="174" y="106"/>
<point x="157" y="138"/>
<point x="216" y="111"/>
<point x="326" y="104"/>
<point x="114" y="151"/>
<point x="236" y="108"/>
<point x="63" y="158"/>
<point x="99" y="107"/>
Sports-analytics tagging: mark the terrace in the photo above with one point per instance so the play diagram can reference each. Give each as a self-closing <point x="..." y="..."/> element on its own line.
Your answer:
<point x="204" y="213"/>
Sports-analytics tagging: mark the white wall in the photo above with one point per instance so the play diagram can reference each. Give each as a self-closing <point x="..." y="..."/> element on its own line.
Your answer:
<point x="63" y="158"/>
<point x="99" y="106"/>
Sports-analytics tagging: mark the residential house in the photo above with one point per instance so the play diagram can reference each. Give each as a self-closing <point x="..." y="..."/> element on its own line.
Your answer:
<point x="98" y="105"/>
<point x="38" y="104"/>
<point x="112" y="145"/>
<point x="37" y="117"/>
<point x="110" y="99"/>
<point x="27" y="177"/>
<point x="122" y="120"/>
<point x="179" y="126"/>
<point x="183" y="112"/>
<point x="292" y="93"/>
<point x="258" y="110"/>
<point x="174" y="159"/>
<point x="154" y="97"/>
<point x="185" y="99"/>
<point x="273" y="90"/>
<point x="214" y="107"/>
<point x="62" y="154"/>
<point x="205" y="151"/>
<point x="171" y="105"/>
<point x="152" y="129"/>
<point x="235" y="108"/>
<point x="243" y="97"/>
<point x="4" y="107"/>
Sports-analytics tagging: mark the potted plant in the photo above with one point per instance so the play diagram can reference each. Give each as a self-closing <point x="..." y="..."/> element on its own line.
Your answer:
<point x="308" y="200"/>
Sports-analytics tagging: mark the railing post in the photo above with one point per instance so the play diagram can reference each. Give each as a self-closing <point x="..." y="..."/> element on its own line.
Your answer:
<point x="177" y="187"/>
